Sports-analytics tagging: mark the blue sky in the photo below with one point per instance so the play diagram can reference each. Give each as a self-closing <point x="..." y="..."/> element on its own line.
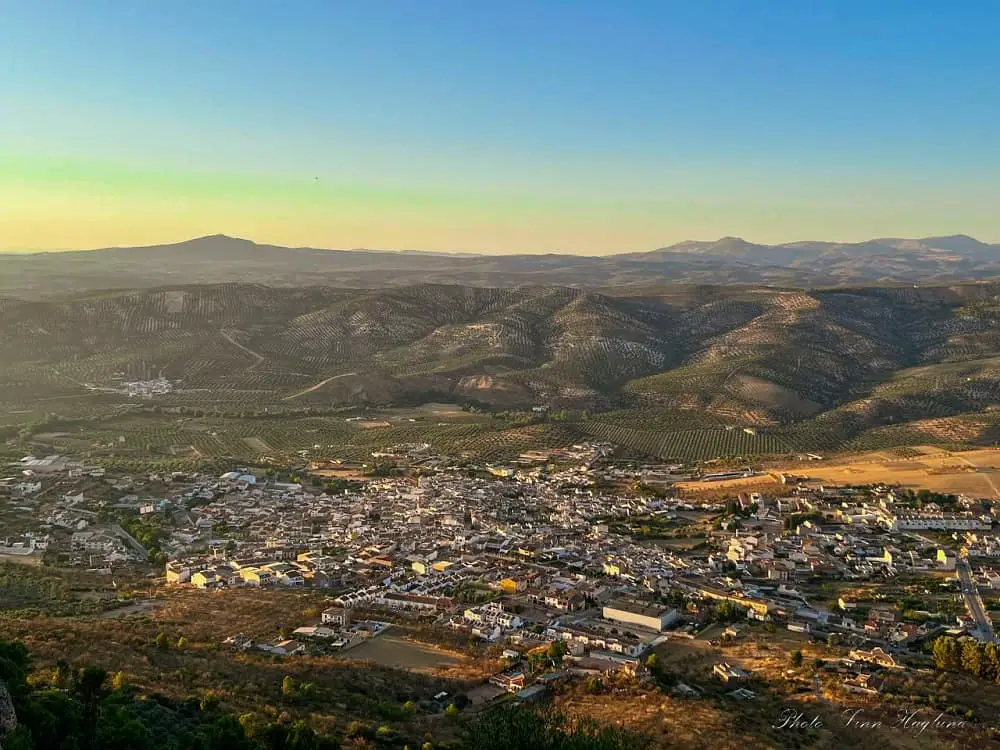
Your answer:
<point x="517" y="126"/>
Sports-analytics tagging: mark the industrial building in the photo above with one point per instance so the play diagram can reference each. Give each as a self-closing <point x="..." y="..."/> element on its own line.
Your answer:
<point x="641" y="614"/>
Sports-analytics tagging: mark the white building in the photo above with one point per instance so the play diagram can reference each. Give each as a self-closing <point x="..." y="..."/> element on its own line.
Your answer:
<point x="933" y="521"/>
<point x="648" y="616"/>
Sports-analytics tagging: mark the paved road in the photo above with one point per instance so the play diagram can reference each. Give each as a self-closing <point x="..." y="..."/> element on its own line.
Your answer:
<point x="974" y="603"/>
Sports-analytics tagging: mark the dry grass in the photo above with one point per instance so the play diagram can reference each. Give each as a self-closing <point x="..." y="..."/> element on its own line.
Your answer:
<point x="974" y="472"/>
<point x="243" y="682"/>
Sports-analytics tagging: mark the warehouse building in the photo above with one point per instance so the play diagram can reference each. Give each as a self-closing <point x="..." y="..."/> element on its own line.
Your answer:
<point x="641" y="614"/>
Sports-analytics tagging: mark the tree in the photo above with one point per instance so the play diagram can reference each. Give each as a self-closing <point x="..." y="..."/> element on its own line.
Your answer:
<point x="523" y="728"/>
<point x="162" y="641"/>
<point x="301" y="737"/>
<point x="992" y="661"/>
<point x="973" y="658"/>
<point x="63" y="676"/>
<point x="118" y="681"/>
<point x="556" y="652"/>
<point x="947" y="653"/>
<point x="358" y="729"/>
<point x="182" y="643"/>
<point x="289" y="688"/>
<point x="89" y="689"/>
<point x="452" y="711"/>
<point x="727" y="611"/>
<point x="796" y="658"/>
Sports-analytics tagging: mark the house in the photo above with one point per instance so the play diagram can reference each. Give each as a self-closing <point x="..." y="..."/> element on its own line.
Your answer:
<point x="204" y="579"/>
<point x="177" y="572"/>
<point x="337" y="616"/>
<point x="315" y="632"/>
<point x="257" y="577"/>
<point x="493" y="614"/>
<point x="946" y="558"/>
<point x="292" y="578"/>
<point x="415" y="602"/>
<point x="730" y="673"/>
<point x="883" y="616"/>
<point x="876" y="655"/>
<point x="511" y="682"/>
<point x="221" y="575"/>
<point x="567" y="600"/>
<point x="863" y="684"/>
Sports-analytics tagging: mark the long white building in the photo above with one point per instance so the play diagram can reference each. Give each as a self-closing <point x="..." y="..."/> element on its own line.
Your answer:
<point x="647" y="616"/>
<point x="933" y="521"/>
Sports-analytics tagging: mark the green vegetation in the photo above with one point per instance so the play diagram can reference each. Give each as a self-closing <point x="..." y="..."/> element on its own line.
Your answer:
<point x="727" y="611"/>
<point x="26" y="591"/>
<point x="522" y="728"/>
<point x="978" y="659"/>
<point x="264" y="375"/>
<point x="78" y="709"/>
<point x="83" y="709"/>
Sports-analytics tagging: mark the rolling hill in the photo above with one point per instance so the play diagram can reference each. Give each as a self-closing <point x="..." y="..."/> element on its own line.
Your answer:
<point x="817" y="369"/>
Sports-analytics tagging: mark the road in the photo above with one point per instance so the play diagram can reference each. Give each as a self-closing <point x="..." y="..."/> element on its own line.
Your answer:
<point x="259" y="358"/>
<point x="319" y="385"/>
<point x="973" y="602"/>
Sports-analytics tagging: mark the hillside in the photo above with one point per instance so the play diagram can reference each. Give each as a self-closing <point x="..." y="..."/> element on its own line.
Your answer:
<point x="808" y="370"/>
<point x="731" y="260"/>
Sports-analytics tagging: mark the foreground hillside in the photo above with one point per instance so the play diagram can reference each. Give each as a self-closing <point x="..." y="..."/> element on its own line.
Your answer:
<point x="800" y="369"/>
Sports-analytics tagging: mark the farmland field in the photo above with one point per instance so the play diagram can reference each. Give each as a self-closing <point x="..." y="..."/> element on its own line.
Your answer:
<point x="254" y="372"/>
<point x="971" y="472"/>
<point x="398" y="653"/>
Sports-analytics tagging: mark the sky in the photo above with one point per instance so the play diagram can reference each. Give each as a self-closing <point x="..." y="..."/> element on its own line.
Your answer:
<point x="580" y="126"/>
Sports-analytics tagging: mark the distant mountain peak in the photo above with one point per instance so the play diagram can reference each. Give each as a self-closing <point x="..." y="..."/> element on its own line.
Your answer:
<point x="220" y="238"/>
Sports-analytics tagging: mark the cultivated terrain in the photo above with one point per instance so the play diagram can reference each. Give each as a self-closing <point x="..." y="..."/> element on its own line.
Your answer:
<point x="676" y="371"/>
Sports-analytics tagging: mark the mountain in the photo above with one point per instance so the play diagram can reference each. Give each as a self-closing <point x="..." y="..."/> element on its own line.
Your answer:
<point x="822" y="367"/>
<point x="730" y="260"/>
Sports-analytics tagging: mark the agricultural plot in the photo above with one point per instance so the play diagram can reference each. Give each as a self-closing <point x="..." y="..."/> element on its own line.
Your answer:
<point x="971" y="472"/>
<point x="677" y="373"/>
<point x="688" y="445"/>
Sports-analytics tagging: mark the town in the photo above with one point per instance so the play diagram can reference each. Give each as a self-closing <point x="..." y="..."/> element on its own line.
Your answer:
<point x="568" y="553"/>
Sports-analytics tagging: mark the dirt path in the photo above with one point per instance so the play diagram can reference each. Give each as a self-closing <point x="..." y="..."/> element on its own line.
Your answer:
<point x="258" y="357"/>
<point x="316" y="387"/>
<point x="967" y="462"/>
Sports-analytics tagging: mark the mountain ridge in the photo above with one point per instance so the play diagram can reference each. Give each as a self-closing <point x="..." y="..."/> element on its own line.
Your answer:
<point x="729" y="260"/>
<point x="813" y="368"/>
<point x="949" y="242"/>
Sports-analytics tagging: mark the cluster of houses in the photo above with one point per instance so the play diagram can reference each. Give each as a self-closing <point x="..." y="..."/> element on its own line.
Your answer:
<point x="530" y="554"/>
